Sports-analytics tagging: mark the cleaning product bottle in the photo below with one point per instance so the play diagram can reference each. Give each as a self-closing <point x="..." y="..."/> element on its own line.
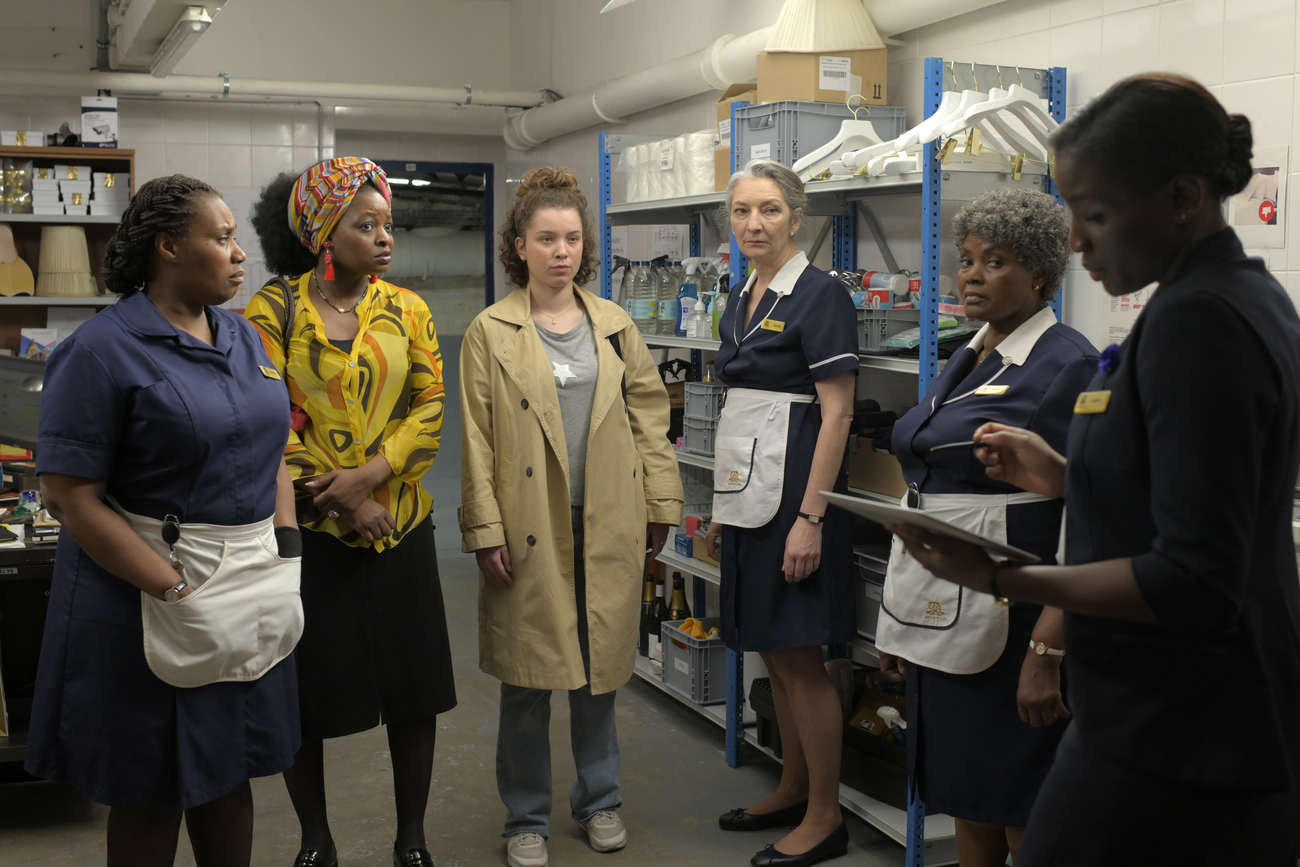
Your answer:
<point x="688" y="294"/>
<point x="700" y="321"/>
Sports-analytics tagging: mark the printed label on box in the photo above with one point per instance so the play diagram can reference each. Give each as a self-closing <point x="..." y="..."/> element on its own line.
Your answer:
<point x="833" y="73"/>
<point x="724" y="132"/>
<point x="682" y="665"/>
<point x="761" y="151"/>
<point x="666" y="155"/>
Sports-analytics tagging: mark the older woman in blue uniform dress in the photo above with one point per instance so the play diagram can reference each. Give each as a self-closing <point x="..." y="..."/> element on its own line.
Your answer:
<point x="1183" y="605"/>
<point x="164" y="405"/>
<point x="985" y="701"/>
<point x="789" y="359"/>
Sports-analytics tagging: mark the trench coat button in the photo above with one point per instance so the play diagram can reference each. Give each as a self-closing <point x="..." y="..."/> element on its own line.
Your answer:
<point x="524" y="403"/>
<point x="528" y="471"/>
<point x="531" y="540"/>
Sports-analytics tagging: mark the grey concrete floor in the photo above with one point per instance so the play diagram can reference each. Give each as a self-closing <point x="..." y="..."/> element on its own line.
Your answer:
<point x="675" y="779"/>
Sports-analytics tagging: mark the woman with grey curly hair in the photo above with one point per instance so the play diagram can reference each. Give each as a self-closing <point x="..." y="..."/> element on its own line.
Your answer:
<point x="986" y="704"/>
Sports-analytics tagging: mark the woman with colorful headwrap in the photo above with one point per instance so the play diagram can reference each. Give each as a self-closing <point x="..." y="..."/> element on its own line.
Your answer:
<point x="360" y="359"/>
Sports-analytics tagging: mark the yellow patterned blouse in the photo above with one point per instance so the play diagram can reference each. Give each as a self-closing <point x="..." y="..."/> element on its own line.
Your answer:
<point x="384" y="397"/>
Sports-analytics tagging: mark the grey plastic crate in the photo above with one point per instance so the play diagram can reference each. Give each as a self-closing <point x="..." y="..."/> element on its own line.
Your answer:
<point x="786" y="130"/>
<point x="697" y="484"/>
<point x="698" y="434"/>
<point x="696" y="668"/>
<point x="877" y="326"/>
<point x="704" y="399"/>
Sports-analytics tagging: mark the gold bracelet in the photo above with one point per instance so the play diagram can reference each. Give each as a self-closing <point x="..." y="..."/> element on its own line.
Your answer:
<point x="994" y="589"/>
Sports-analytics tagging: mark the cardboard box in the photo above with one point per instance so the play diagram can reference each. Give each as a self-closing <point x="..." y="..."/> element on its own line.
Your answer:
<point x="875" y="471"/>
<point x="29" y="138"/>
<point x="722" y="153"/>
<point x="99" y="121"/>
<point x="828" y="77"/>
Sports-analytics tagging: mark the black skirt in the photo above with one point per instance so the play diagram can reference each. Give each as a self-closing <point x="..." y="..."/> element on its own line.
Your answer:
<point x="375" y="645"/>
<point x="969" y="752"/>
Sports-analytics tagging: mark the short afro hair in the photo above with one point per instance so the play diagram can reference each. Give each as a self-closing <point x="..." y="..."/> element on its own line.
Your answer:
<point x="1032" y="225"/>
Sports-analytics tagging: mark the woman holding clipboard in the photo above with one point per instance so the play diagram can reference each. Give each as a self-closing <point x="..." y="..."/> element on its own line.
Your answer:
<point x="985" y="699"/>
<point x="1180" y="581"/>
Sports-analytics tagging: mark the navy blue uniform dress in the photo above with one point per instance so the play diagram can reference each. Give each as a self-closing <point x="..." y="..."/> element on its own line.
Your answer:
<point x="1190" y="471"/>
<point x="815" y="339"/>
<point x="173" y="426"/>
<point x="972" y="756"/>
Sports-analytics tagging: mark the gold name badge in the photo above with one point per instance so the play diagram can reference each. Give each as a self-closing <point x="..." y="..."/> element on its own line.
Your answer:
<point x="992" y="390"/>
<point x="269" y="372"/>
<point x="773" y="325"/>
<point x="1092" y="402"/>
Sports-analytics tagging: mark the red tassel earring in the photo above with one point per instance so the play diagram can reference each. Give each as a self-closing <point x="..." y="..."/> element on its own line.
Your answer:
<point x="329" y="262"/>
<point x="374" y="278"/>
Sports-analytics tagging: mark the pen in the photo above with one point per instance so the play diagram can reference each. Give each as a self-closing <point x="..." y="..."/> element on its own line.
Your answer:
<point x="966" y="444"/>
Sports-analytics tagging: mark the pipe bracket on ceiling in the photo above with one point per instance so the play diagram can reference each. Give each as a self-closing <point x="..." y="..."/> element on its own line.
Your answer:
<point x="225" y="84"/>
<point x="469" y="94"/>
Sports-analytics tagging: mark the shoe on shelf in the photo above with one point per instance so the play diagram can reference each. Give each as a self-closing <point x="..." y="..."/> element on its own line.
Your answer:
<point x="741" y="819"/>
<point x="835" y="845"/>
<point x="605" y="831"/>
<point x="317" y="857"/>
<point x="418" y="857"/>
<point x="526" y="850"/>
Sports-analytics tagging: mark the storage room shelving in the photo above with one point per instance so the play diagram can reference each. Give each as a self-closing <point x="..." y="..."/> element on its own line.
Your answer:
<point x="928" y="840"/>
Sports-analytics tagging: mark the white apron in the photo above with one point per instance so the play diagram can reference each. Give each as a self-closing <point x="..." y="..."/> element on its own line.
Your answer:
<point x="244" y="616"/>
<point x="934" y="622"/>
<point x="749" y="455"/>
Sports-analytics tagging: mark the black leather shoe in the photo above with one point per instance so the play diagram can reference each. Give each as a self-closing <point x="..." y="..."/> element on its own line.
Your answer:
<point x="317" y="858"/>
<point x="741" y="819"/>
<point x="412" y="858"/>
<point x="833" y="846"/>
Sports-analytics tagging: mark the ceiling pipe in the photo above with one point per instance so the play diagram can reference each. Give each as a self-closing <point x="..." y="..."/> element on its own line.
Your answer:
<point x="729" y="60"/>
<point x="122" y="83"/>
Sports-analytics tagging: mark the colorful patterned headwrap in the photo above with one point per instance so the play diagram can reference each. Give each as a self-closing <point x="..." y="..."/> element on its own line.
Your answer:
<point x="323" y="193"/>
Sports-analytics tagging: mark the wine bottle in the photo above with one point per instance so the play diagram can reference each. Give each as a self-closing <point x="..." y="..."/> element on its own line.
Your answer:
<point x="649" y="623"/>
<point x="678" y="609"/>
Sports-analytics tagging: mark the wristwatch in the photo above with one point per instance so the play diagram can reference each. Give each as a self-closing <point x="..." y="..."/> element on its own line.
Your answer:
<point x="812" y="519"/>
<point x="1042" y="649"/>
<point x="173" y="594"/>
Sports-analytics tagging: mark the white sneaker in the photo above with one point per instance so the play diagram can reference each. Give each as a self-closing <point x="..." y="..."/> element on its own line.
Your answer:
<point x="526" y="850"/>
<point x="605" y="831"/>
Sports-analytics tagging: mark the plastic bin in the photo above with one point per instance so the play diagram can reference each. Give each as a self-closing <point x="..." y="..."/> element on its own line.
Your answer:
<point x="877" y="326"/>
<point x="693" y="667"/>
<point x="786" y="130"/>
<point x="697" y="484"/>
<point x="704" y="399"/>
<point x="699" y="433"/>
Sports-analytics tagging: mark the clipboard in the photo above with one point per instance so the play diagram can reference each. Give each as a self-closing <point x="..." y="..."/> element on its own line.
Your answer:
<point x="882" y="513"/>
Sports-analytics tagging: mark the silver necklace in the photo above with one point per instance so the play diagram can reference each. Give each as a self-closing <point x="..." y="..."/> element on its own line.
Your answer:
<point x="331" y="304"/>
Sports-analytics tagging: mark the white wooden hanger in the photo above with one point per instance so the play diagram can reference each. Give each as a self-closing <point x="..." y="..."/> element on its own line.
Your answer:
<point x="853" y="134"/>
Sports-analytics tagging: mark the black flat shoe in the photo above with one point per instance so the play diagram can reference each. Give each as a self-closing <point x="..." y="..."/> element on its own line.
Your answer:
<point x="833" y="846"/>
<point x="317" y="858"/>
<point x="412" y="858"/>
<point x="741" y="819"/>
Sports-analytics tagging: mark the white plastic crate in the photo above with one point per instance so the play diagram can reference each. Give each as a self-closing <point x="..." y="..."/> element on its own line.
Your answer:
<point x="695" y="668"/>
<point x="699" y="434"/>
<point x="704" y="399"/>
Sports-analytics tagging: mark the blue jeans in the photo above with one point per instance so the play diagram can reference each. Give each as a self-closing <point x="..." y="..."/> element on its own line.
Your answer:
<point x="524" y="741"/>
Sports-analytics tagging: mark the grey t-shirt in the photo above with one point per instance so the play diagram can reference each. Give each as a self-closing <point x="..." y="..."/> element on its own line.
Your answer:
<point x="573" y="362"/>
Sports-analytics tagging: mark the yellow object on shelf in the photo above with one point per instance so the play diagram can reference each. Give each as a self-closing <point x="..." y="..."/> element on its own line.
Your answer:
<point x="64" y="263"/>
<point x="15" y="274"/>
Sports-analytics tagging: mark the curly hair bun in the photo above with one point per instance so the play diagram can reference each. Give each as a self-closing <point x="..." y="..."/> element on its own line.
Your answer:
<point x="550" y="178"/>
<point x="1234" y="172"/>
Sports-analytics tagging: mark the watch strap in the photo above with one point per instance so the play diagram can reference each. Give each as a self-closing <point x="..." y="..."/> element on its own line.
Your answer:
<point x="1042" y="649"/>
<point x="812" y="519"/>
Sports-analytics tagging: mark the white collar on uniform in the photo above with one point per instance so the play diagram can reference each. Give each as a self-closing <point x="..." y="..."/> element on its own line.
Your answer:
<point x="1018" y="344"/>
<point x="783" y="283"/>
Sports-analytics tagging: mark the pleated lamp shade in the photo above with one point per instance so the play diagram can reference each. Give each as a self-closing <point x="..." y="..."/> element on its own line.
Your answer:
<point x="64" y="263"/>
<point x="823" y="25"/>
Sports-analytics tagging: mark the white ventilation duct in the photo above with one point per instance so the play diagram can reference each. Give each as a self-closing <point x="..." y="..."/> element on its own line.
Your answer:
<point x="20" y="82"/>
<point x="729" y="60"/>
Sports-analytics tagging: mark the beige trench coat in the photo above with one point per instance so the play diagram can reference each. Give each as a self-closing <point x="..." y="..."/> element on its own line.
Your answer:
<point x="515" y="490"/>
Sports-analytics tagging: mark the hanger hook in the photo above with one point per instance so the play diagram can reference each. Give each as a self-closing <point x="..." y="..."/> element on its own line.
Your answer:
<point x="1001" y="84"/>
<point x="974" y="77"/>
<point x="1019" y="78"/>
<point x="848" y="103"/>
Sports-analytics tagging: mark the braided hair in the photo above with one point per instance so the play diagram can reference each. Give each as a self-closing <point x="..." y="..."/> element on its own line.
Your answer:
<point x="162" y="206"/>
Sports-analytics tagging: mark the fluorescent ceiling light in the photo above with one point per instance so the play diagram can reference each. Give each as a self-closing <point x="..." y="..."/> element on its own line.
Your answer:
<point x="420" y="182"/>
<point x="401" y="182"/>
<point x="184" y="33"/>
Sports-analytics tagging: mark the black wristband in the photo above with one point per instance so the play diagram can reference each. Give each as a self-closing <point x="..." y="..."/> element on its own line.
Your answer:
<point x="812" y="519"/>
<point x="288" y="541"/>
<point x="998" y="595"/>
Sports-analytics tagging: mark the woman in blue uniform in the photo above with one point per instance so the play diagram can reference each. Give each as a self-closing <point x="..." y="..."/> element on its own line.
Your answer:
<point x="160" y="412"/>
<point x="789" y="356"/>
<point x="1181" y="589"/>
<point x="985" y="704"/>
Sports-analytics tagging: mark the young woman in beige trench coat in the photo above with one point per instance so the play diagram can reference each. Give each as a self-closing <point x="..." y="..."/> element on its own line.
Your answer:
<point x="566" y="465"/>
